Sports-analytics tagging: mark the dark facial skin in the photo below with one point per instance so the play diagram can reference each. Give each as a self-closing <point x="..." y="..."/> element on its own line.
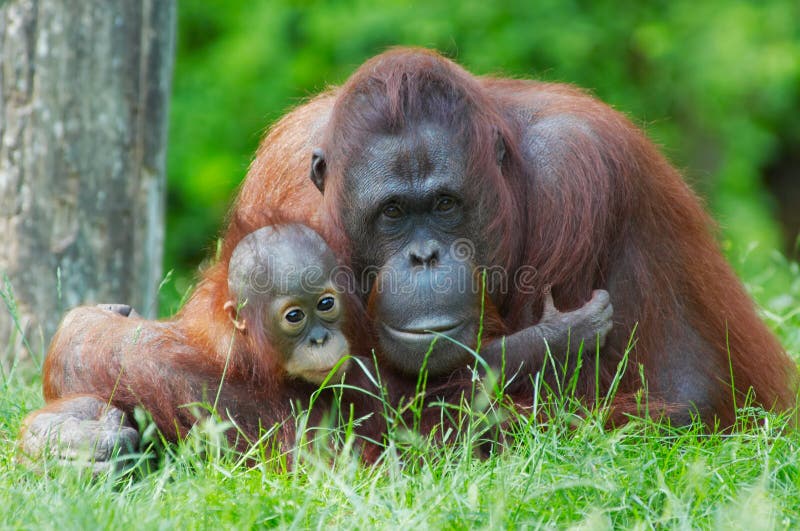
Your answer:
<point x="404" y="232"/>
<point x="287" y="272"/>
<point x="409" y="217"/>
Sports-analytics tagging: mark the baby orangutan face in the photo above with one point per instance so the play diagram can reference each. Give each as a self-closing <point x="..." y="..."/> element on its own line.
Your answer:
<point x="280" y="280"/>
<point x="305" y="328"/>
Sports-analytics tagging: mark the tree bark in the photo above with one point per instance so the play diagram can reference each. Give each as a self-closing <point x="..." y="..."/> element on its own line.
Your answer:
<point x="84" y="87"/>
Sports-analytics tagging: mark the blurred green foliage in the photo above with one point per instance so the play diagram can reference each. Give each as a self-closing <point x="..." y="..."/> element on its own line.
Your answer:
<point x="716" y="83"/>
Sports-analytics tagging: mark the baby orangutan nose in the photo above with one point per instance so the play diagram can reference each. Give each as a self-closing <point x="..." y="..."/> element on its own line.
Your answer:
<point x="319" y="337"/>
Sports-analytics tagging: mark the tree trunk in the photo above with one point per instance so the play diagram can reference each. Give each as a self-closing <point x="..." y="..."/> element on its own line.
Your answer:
<point x="84" y="86"/>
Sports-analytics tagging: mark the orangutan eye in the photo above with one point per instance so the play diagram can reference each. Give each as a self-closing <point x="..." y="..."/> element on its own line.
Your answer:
<point x="327" y="307"/>
<point x="393" y="211"/>
<point x="295" y="315"/>
<point x="326" y="304"/>
<point x="445" y="204"/>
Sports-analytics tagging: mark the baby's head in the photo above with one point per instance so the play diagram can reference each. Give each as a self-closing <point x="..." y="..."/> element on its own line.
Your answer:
<point x="280" y="281"/>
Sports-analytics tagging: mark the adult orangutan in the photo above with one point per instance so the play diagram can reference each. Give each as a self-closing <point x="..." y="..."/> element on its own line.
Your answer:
<point x="414" y="155"/>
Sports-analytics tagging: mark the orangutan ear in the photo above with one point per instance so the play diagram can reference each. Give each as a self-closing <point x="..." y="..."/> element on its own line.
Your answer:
<point x="318" y="169"/>
<point x="499" y="146"/>
<point x="233" y="314"/>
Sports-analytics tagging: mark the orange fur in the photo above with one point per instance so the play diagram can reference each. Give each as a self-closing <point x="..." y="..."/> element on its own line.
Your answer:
<point x="582" y="197"/>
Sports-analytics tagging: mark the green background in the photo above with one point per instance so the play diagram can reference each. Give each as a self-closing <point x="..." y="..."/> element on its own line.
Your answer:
<point x="715" y="83"/>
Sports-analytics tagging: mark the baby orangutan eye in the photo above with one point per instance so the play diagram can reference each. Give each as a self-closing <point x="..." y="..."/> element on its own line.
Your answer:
<point x="295" y="315"/>
<point x="326" y="304"/>
<point x="327" y="307"/>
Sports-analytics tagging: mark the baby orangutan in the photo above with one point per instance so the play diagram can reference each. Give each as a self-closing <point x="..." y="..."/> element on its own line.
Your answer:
<point x="282" y="294"/>
<point x="279" y="336"/>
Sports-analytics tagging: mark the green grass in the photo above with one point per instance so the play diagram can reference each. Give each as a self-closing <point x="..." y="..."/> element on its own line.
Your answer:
<point x="558" y="471"/>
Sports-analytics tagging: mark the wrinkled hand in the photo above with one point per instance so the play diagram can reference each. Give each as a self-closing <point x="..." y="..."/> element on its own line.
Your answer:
<point x="589" y="324"/>
<point x="83" y="431"/>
